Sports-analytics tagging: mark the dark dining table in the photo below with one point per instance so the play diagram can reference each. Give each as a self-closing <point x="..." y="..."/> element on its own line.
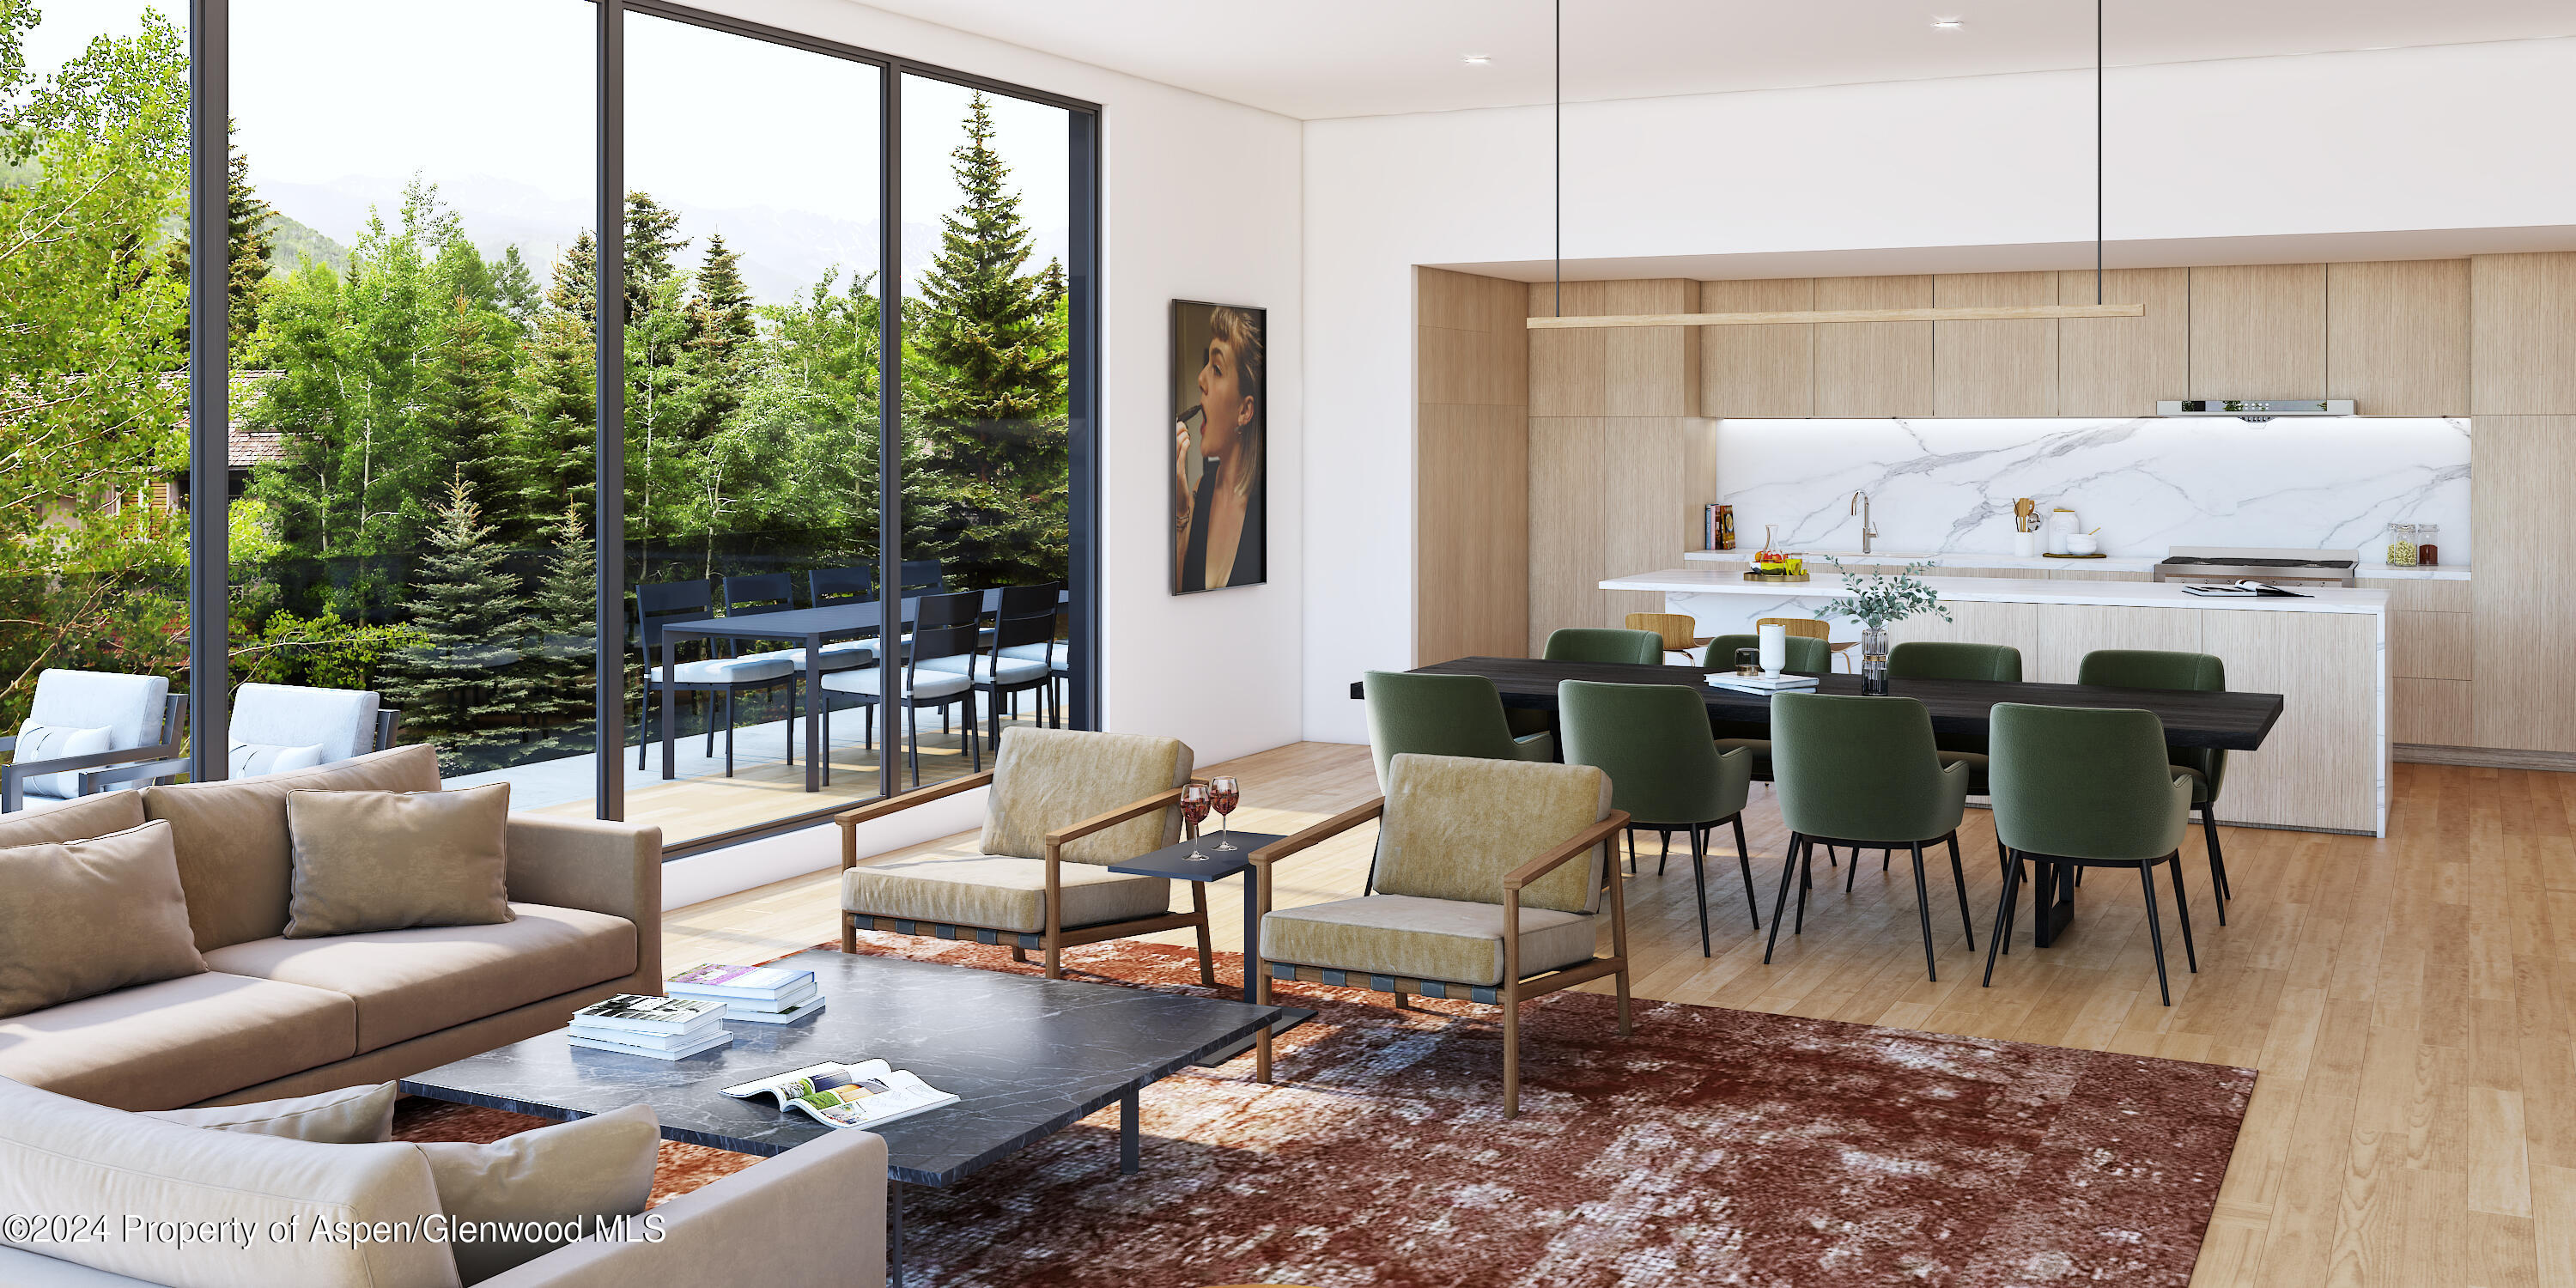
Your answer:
<point x="2220" y="720"/>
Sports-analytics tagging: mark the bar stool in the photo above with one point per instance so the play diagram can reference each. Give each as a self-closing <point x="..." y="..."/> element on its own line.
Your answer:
<point x="1680" y="633"/>
<point x="1810" y="628"/>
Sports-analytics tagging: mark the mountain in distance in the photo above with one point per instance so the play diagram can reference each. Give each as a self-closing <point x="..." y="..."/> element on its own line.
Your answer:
<point x="291" y="242"/>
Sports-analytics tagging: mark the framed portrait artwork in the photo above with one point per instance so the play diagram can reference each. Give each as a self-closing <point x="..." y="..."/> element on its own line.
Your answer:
<point x="1220" y="447"/>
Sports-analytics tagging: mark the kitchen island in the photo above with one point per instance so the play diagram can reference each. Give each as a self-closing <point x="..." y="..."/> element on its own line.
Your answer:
<point x="2324" y="768"/>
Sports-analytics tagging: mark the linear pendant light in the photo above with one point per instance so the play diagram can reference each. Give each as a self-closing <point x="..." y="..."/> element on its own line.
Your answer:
<point x="1992" y="313"/>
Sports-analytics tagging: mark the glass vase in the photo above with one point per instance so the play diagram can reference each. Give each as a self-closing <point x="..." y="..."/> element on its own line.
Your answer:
<point x="1873" y="661"/>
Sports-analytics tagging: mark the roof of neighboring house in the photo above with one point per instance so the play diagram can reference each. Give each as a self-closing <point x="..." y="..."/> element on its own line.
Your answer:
<point x="252" y="447"/>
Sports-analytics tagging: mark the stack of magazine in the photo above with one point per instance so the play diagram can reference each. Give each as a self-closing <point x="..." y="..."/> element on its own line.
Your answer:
<point x="871" y="1093"/>
<point x="665" y="1028"/>
<point x="758" y="994"/>
<point x="1783" y="682"/>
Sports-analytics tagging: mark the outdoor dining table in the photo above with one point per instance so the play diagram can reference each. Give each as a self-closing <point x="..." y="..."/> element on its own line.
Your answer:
<point x="814" y="627"/>
<point x="2229" y="721"/>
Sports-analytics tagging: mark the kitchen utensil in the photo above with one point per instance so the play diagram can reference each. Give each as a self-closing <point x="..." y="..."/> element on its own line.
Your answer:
<point x="2022" y="508"/>
<point x="2025" y="544"/>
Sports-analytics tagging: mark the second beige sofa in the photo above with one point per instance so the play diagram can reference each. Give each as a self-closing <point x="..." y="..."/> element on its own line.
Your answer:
<point x="275" y="1017"/>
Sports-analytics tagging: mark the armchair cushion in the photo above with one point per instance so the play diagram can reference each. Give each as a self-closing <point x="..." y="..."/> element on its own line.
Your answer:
<point x="998" y="892"/>
<point x="348" y="1116"/>
<point x="1455" y="825"/>
<point x="1045" y="780"/>
<point x="568" y="1174"/>
<point x="388" y="860"/>
<point x="250" y="759"/>
<point x="80" y="918"/>
<point x="129" y="705"/>
<point x="1414" y="938"/>
<point x="55" y="742"/>
<point x="340" y="723"/>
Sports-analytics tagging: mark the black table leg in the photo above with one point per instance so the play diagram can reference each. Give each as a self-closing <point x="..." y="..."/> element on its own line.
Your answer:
<point x="894" y="1233"/>
<point x="1127" y="1142"/>
<point x="814" y="753"/>
<point x="1251" y="928"/>
<point x="2052" y="902"/>
<point x="670" y="668"/>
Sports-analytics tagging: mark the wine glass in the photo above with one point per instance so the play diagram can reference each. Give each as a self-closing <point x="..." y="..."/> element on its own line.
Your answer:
<point x="1194" y="807"/>
<point x="1225" y="794"/>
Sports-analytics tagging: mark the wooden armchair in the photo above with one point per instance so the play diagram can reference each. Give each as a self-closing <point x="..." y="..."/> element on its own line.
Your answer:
<point x="1471" y="896"/>
<point x="1064" y="805"/>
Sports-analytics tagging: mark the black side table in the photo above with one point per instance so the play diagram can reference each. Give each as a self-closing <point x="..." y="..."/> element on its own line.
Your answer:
<point x="1172" y="862"/>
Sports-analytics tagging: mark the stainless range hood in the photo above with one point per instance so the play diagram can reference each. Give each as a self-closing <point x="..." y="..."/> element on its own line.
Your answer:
<point x="2256" y="408"/>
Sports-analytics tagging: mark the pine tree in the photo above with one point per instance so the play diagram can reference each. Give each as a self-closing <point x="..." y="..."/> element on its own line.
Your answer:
<point x="562" y="633"/>
<point x="652" y="250"/>
<point x="721" y="329"/>
<point x="551" y="456"/>
<point x="248" y="241"/>
<point x="514" y="288"/>
<point x="986" y="379"/>
<point x="465" y="604"/>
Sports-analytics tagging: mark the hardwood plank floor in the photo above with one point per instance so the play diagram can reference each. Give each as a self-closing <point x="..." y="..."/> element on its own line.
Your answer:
<point x="2410" y="1002"/>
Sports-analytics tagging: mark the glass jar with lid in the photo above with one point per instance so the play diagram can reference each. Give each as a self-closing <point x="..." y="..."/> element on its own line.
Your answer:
<point x="2401" y="545"/>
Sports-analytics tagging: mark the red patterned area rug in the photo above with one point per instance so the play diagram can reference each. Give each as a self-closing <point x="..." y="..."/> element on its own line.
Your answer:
<point x="1711" y="1147"/>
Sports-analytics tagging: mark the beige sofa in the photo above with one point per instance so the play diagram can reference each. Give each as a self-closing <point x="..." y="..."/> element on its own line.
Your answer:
<point x="813" y="1217"/>
<point x="277" y="1017"/>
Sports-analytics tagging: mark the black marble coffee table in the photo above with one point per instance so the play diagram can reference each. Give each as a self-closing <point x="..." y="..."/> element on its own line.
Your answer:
<point x="1026" y="1056"/>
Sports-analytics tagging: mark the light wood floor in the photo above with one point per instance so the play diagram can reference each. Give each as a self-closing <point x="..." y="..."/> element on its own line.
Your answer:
<point x="2410" y="1003"/>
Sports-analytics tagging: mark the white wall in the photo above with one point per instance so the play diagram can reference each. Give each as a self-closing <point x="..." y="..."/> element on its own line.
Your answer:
<point x="1201" y="201"/>
<point x="2448" y="137"/>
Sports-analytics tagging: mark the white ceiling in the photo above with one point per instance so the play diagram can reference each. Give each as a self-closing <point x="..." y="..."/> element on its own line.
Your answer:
<point x="1316" y="59"/>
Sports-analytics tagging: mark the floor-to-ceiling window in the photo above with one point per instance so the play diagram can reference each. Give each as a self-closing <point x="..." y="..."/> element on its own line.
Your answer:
<point x="420" y="500"/>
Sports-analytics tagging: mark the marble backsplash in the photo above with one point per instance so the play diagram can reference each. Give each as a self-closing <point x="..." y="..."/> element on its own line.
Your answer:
<point x="1947" y="486"/>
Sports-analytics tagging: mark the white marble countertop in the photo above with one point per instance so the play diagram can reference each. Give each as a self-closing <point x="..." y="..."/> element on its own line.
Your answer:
<point x="2009" y="590"/>
<point x="2107" y="563"/>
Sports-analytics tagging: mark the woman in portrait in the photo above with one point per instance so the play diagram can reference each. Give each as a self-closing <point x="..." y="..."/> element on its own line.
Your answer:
<point x="1218" y="479"/>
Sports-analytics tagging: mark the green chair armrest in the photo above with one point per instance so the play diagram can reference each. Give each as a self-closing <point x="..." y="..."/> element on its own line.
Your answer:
<point x="1540" y="746"/>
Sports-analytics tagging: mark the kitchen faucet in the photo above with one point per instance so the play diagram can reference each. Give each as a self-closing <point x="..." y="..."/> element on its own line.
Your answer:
<point x="1860" y="506"/>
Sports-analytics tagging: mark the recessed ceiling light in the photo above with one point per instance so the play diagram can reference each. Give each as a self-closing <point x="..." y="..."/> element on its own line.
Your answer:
<point x="1948" y="24"/>
<point x="1477" y="60"/>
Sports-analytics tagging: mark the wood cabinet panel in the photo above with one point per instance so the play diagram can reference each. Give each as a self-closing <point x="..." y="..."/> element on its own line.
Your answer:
<point x="2258" y="331"/>
<point x="2016" y="625"/>
<point x="1566" y="560"/>
<point x="2321" y="764"/>
<point x="2522" y="334"/>
<point x="2432" y="646"/>
<point x="1471" y="539"/>
<point x="1993" y="368"/>
<point x="2397" y="336"/>
<point x="1757" y="371"/>
<point x="2069" y="631"/>
<point x="2524" y="511"/>
<point x="2123" y="366"/>
<point x="2408" y="594"/>
<point x="1568" y="370"/>
<point x="1646" y="507"/>
<point x="1650" y="370"/>
<point x="1874" y="368"/>
<point x="2434" y="713"/>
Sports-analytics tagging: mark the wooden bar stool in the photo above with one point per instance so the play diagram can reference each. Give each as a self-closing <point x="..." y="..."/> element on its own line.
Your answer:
<point x="1681" y="634"/>
<point x="1813" y="629"/>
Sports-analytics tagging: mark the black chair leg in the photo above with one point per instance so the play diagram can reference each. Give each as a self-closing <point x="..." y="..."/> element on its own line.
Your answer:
<point x="643" y="726"/>
<point x="1923" y="910"/>
<point x="1959" y="878"/>
<point x="2217" y="862"/>
<point x="1632" y="850"/>
<point x="2182" y="910"/>
<point x="974" y="743"/>
<point x="1780" y="907"/>
<point x="1744" y="862"/>
<point x="912" y="722"/>
<point x="1667" y="860"/>
<point x="1852" y="873"/>
<point x="2155" y="929"/>
<point x="794" y="709"/>
<point x="2002" y="933"/>
<point x="728" y="724"/>
<point x="1699" y="884"/>
<point x="1883" y="857"/>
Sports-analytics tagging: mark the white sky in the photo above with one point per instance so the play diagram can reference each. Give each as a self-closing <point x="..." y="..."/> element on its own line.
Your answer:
<point x="340" y="101"/>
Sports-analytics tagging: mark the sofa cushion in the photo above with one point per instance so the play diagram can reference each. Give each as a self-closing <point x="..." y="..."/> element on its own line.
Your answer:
<point x="409" y="982"/>
<point x="161" y="1046"/>
<point x="1393" y="934"/>
<point x="58" y="1155"/>
<point x="998" y="892"/>
<point x="1455" y="825"/>
<point x="1045" y="780"/>
<point x="80" y="918"/>
<point x="348" y="1116"/>
<point x="570" y="1173"/>
<point x="76" y="820"/>
<point x="231" y="836"/>
<point x="391" y="860"/>
<point x="56" y="742"/>
<point x="27" y="1270"/>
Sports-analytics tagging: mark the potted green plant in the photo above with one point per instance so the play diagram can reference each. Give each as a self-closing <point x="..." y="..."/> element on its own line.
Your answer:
<point x="1875" y="600"/>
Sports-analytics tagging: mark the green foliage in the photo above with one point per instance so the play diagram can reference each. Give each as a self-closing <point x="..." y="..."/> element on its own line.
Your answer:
<point x="555" y="680"/>
<point x="1875" y="599"/>
<point x="465" y="604"/>
<point x="322" y="651"/>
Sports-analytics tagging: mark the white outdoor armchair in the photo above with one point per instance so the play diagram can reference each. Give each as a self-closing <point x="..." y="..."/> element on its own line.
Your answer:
<point x="276" y="728"/>
<point x="86" y="720"/>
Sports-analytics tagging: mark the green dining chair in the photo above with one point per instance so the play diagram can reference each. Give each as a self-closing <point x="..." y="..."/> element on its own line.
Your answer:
<point x="1604" y="644"/>
<point x="1807" y="656"/>
<point x="2131" y="668"/>
<point x="2080" y="787"/>
<point x="1951" y="660"/>
<point x="1863" y="773"/>
<point x="1442" y="715"/>
<point x="1665" y="771"/>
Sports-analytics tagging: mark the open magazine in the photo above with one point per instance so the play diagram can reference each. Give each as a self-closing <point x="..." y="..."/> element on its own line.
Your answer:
<point x="871" y="1093"/>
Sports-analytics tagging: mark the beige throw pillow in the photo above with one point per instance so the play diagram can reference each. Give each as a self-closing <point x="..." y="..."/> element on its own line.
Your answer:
<point x="80" y="918"/>
<point x="571" y="1173"/>
<point x="353" y="1116"/>
<point x="389" y="860"/>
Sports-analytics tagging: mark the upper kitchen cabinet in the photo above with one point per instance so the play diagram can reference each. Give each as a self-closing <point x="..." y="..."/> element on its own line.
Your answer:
<point x="2523" y="361"/>
<point x="1873" y="368"/>
<point x="1994" y="368"/>
<point x="2397" y="336"/>
<point x="2258" y="331"/>
<point x="1615" y="371"/>
<point x="2124" y="366"/>
<point x="1757" y="372"/>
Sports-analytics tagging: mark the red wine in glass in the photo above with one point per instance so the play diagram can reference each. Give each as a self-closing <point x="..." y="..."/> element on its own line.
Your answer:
<point x="1224" y="793"/>
<point x="1194" y="808"/>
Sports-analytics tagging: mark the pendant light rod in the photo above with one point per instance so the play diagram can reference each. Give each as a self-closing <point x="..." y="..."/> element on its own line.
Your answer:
<point x="1560" y="158"/>
<point x="2097" y="151"/>
<point x="1994" y="313"/>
